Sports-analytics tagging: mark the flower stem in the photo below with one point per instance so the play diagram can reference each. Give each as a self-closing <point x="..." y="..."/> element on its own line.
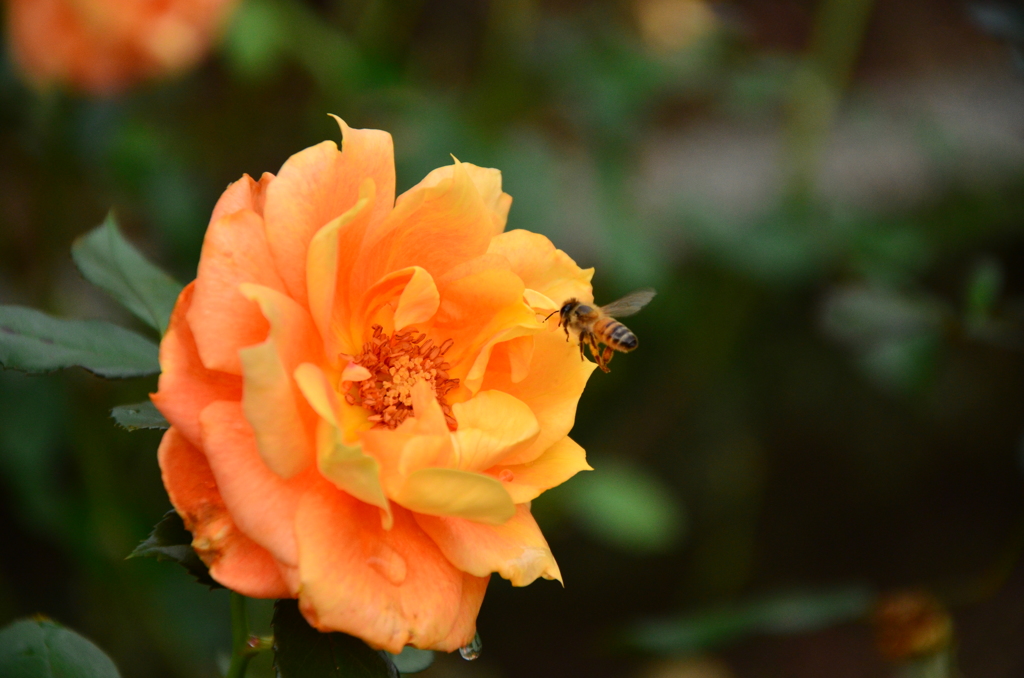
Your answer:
<point x="241" y="650"/>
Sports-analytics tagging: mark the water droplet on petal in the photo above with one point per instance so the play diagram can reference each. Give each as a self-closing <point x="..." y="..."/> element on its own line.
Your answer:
<point x="472" y="651"/>
<point x="389" y="563"/>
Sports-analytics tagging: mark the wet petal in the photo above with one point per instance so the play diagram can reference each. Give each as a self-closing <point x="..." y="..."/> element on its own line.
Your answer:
<point x="492" y="426"/>
<point x="526" y="482"/>
<point x="516" y="549"/>
<point x="261" y="502"/>
<point x="186" y="387"/>
<point x="317" y="185"/>
<point x="222" y="320"/>
<point x="390" y="587"/>
<point x="234" y="559"/>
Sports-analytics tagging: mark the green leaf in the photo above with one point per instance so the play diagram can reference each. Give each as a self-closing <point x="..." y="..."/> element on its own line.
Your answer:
<point x="139" y="415"/>
<point x="32" y="341"/>
<point x="169" y="540"/>
<point x="110" y="262"/>
<point x="783" y="614"/>
<point x="40" y="648"/>
<point x="412" y="660"/>
<point x="303" y="652"/>
<point x="627" y="507"/>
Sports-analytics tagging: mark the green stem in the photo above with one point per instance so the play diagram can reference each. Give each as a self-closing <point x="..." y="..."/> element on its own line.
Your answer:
<point x="241" y="650"/>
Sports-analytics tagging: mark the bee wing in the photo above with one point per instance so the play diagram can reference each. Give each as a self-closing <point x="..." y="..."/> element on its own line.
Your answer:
<point x="629" y="304"/>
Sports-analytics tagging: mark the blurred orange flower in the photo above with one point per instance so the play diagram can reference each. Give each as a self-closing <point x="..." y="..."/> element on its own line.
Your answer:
<point x="102" y="46"/>
<point x="364" y="397"/>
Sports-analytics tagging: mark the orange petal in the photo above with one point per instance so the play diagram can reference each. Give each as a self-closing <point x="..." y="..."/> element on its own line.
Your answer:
<point x="557" y="464"/>
<point x="262" y="503"/>
<point x="477" y="311"/>
<point x="280" y="417"/>
<point x="410" y="290"/>
<point x="516" y="550"/>
<point x="223" y="321"/>
<point x="329" y="263"/>
<point x="234" y="560"/>
<point x="551" y="389"/>
<point x="244" y="194"/>
<point x="492" y="425"/>
<point x="544" y="269"/>
<point x="186" y="387"/>
<point x="435" y="228"/>
<point x="317" y="185"/>
<point x="391" y="588"/>
<point x="488" y="185"/>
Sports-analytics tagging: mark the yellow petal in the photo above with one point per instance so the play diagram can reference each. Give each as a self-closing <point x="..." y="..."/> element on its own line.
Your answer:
<point x="323" y="267"/>
<point x="318" y="392"/>
<point x="276" y="410"/>
<point x="492" y="425"/>
<point x="351" y="470"/>
<point x="542" y="267"/>
<point x="488" y="185"/>
<point x="561" y="461"/>
<point x="516" y="549"/>
<point x="552" y="389"/>
<point x="355" y="372"/>
<point x="455" y="493"/>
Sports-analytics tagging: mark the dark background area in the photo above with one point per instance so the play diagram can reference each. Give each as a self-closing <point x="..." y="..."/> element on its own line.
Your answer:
<point x="826" y="403"/>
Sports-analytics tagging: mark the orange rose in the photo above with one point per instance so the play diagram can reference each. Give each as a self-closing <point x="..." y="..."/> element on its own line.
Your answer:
<point x="101" y="46"/>
<point x="364" y="396"/>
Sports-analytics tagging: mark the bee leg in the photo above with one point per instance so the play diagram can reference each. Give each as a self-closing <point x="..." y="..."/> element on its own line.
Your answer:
<point x="583" y="338"/>
<point x="606" y="357"/>
<point x="598" y="355"/>
<point x="566" y="328"/>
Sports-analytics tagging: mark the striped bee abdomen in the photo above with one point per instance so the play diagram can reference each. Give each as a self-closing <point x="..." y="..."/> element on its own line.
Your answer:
<point x="612" y="333"/>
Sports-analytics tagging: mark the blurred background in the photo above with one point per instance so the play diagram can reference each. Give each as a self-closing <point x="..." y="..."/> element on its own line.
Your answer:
<point x="813" y="464"/>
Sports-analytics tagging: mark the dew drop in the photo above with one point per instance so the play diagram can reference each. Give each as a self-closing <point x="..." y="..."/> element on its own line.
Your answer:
<point x="472" y="651"/>
<point x="389" y="563"/>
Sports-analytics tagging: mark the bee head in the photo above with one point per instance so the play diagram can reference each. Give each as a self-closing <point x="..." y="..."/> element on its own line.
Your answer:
<point x="564" y="311"/>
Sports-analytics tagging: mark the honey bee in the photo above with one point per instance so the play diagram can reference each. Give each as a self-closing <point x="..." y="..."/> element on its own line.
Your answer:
<point x="596" y="325"/>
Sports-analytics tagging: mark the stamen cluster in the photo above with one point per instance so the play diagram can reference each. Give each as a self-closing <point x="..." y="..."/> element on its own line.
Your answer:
<point x="395" y="363"/>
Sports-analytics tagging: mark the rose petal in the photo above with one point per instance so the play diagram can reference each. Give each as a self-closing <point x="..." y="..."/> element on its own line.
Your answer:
<point x="280" y="417"/>
<point x="186" y="387"/>
<point x="451" y="492"/>
<point x="542" y="267"/>
<point x="244" y="194"/>
<point x="391" y="588"/>
<point x="222" y="320"/>
<point x="235" y="560"/>
<point x="492" y="426"/>
<point x="557" y="464"/>
<point x="552" y="390"/>
<point x="329" y="263"/>
<point x="262" y="504"/>
<point x="412" y="292"/>
<point x="488" y="185"/>
<point x="435" y="228"/>
<point x="516" y="549"/>
<point x="317" y="185"/>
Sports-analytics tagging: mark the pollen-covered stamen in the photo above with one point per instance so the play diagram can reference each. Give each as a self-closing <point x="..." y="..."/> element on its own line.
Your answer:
<point x="395" y="363"/>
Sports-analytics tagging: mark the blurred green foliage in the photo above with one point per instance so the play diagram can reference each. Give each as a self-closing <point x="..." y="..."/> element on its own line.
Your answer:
<point x="829" y="385"/>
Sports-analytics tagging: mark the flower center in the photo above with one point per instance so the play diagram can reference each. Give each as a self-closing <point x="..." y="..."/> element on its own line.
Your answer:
<point x="396" y="363"/>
